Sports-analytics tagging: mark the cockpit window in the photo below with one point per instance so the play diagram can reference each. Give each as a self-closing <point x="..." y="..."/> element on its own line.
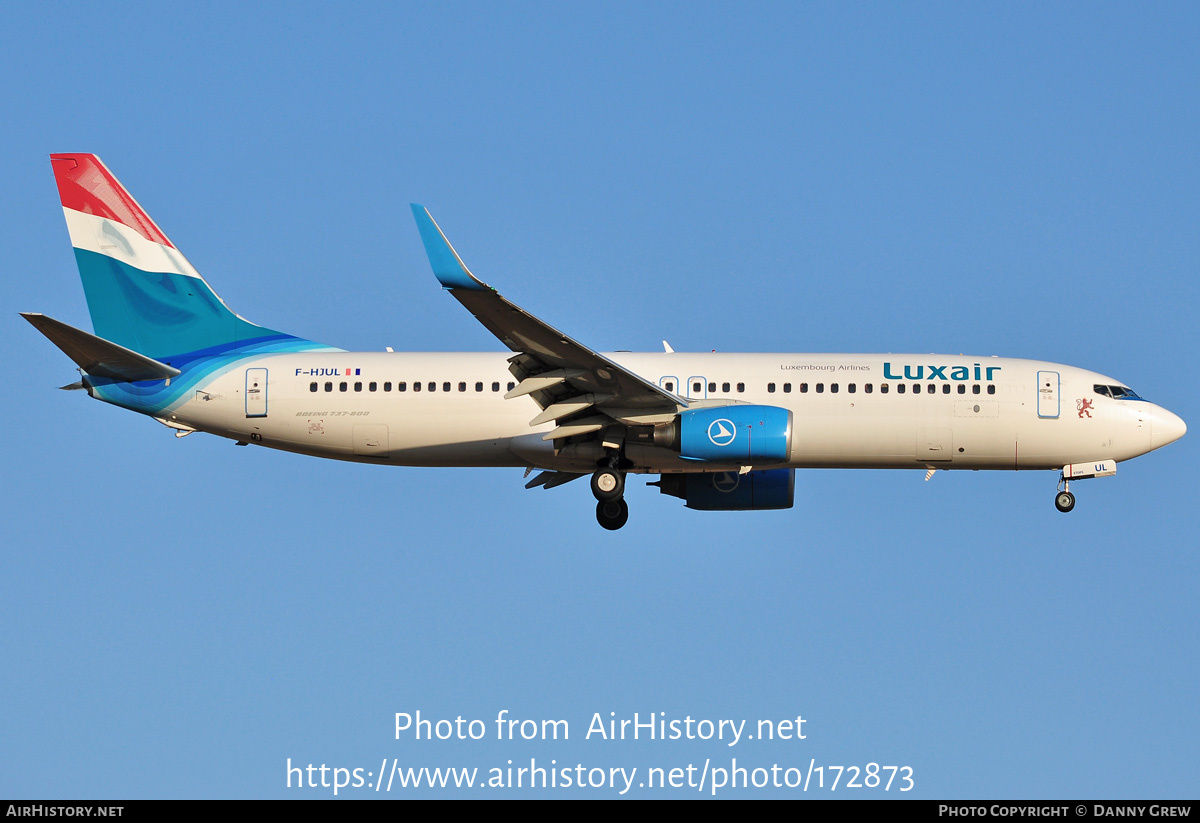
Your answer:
<point x="1116" y="392"/>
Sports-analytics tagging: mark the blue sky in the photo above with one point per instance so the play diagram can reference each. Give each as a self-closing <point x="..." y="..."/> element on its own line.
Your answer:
<point x="180" y="617"/>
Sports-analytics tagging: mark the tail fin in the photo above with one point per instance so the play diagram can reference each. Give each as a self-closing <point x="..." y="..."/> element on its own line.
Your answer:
<point x="141" y="292"/>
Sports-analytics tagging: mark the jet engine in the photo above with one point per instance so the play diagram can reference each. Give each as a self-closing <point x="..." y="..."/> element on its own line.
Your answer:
<point x="742" y="434"/>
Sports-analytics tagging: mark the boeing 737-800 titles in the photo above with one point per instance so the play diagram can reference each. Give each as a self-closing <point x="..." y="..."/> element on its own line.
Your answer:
<point x="722" y="431"/>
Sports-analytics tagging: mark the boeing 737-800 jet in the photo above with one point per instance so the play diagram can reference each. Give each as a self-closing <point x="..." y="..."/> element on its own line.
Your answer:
<point x="722" y="431"/>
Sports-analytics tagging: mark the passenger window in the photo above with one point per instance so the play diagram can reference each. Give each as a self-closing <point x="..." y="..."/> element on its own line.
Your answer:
<point x="991" y="388"/>
<point x="820" y="388"/>
<point x="771" y="388"/>
<point x="446" y="386"/>
<point x="372" y="386"/>
<point x="962" y="388"/>
<point x="312" y="386"/>
<point x="432" y="386"/>
<point x="358" y="386"/>
<point x="916" y="388"/>
<point x="479" y="386"/>
<point x="931" y="389"/>
<point x="712" y="388"/>
<point x="417" y="386"/>
<point x="495" y="387"/>
<point x="870" y="387"/>
<point x="669" y="385"/>
<point x="850" y="388"/>
<point x="883" y="388"/>
<point x="342" y="387"/>
<point x="387" y="386"/>
<point x="900" y="388"/>
<point x="787" y="388"/>
<point x="328" y="387"/>
<point x="697" y="388"/>
<point x="404" y="386"/>
<point x="945" y="388"/>
<point x="462" y="386"/>
<point x="511" y="385"/>
<point x="804" y="388"/>
<point x="975" y="389"/>
<point x="725" y="388"/>
<point x="741" y="387"/>
<point x="833" y="388"/>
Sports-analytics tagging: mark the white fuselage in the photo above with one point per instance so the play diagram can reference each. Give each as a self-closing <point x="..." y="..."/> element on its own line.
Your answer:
<point x="849" y="410"/>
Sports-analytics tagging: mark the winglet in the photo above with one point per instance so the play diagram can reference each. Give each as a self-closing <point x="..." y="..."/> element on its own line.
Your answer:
<point x="448" y="267"/>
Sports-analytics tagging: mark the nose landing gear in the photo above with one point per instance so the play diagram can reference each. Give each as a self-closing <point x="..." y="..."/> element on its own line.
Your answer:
<point x="1064" y="501"/>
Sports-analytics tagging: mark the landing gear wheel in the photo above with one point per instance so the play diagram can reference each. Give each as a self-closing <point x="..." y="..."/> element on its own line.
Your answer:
<point x="612" y="514"/>
<point x="1064" y="501"/>
<point x="608" y="484"/>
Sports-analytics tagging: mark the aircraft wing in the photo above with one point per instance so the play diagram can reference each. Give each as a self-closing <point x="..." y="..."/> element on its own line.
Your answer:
<point x="579" y="388"/>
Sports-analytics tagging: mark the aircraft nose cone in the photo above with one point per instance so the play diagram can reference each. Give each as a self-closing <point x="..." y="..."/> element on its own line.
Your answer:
<point x="1165" y="428"/>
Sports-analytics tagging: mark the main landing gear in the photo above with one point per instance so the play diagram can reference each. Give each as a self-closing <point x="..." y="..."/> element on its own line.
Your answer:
<point x="608" y="485"/>
<point x="612" y="514"/>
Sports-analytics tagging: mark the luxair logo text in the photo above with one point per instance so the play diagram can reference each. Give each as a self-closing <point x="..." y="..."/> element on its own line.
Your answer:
<point x="927" y="372"/>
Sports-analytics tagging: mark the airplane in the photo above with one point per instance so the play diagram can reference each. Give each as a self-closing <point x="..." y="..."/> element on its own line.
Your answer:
<point x="723" y="432"/>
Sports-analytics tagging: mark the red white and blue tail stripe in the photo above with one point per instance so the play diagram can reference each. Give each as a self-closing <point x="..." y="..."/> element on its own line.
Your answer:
<point x="142" y="293"/>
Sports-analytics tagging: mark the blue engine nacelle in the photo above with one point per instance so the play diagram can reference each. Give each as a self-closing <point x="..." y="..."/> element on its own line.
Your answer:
<point x="730" y="491"/>
<point x="736" y="434"/>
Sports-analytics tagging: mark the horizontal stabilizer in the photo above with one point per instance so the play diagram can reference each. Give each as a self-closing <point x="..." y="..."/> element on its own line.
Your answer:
<point x="98" y="356"/>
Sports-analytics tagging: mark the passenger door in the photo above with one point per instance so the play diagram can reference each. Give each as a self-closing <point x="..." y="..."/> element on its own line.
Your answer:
<point x="256" y="392"/>
<point x="1048" y="402"/>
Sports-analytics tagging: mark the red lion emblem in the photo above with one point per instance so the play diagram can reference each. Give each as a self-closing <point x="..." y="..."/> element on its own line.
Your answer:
<point x="1083" y="406"/>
